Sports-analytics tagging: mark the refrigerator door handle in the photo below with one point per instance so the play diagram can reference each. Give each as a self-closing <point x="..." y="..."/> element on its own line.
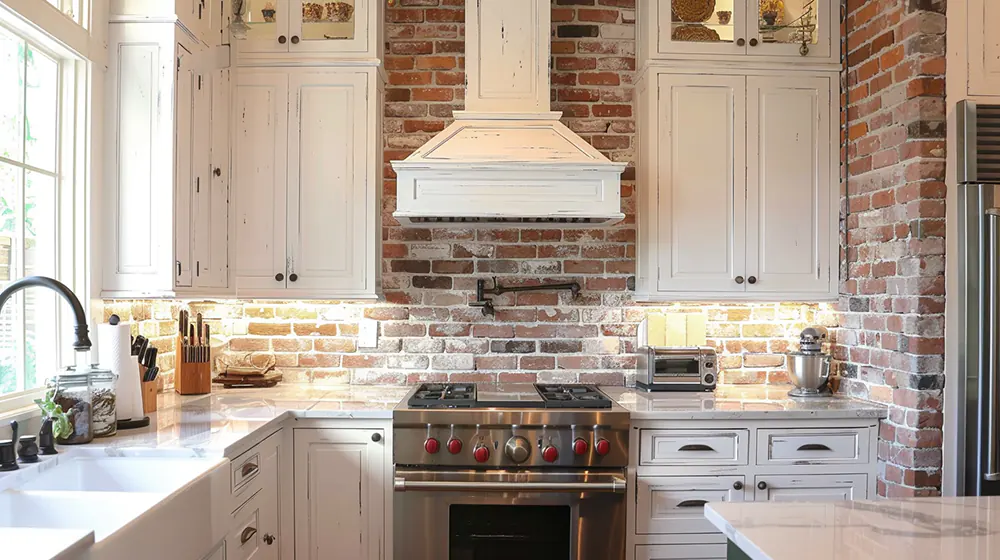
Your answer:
<point x="992" y="336"/>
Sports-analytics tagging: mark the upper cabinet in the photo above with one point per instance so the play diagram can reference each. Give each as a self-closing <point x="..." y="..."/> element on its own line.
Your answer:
<point x="345" y="29"/>
<point x="984" y="47"/>
<point x="203" y="19"/>
<point x="739" y="174"/>
<point x="762" y="30"/>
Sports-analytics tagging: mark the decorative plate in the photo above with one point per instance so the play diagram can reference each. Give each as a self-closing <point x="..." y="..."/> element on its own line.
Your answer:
<point x="695" y="34"/>
<point x="693" y="10"/>
<point x="339" y="11"/>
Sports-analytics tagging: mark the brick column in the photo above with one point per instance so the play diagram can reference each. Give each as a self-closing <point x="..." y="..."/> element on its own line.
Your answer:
<point x="890" y="346"/>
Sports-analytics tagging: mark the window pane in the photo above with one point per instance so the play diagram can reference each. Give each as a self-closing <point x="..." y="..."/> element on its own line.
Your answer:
<point x="39" y="259"/>
<point x="12" y="53"/>
<point x="11" y="333"/>
<point x="41" y="115"/>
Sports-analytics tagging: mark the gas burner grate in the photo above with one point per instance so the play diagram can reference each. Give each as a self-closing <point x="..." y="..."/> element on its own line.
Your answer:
<point x="444" y="395"/>
<point x="572" y="396"/>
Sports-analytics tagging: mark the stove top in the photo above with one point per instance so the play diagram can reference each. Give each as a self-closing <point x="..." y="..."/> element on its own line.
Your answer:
<point x="511" y="395"/>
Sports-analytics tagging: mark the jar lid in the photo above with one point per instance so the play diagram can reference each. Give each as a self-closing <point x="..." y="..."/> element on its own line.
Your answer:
<point x="89" y="371"/>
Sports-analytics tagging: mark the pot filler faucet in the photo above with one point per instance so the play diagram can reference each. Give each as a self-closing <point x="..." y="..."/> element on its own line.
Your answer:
<point x="82" y="342"/>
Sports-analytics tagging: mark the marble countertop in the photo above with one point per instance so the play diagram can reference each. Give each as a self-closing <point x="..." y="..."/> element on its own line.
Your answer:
<point x="49" y="544"/>
<point x="912" y="528"/>
<point x="739" y="401"/>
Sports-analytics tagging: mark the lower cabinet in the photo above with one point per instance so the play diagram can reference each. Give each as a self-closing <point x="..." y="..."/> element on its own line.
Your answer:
<point x="810" y="488"/>
<point x="674" y="504"/>
<point x="681" y="551"/>
<point x="339" y="493"/>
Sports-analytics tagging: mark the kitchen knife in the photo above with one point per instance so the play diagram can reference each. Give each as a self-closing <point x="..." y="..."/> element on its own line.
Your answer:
<point x="192" y="357"/>
<point x="142" y="348"/>
<point x="138" y="345"/>
<point x="198" y="330"/>
<point x="151" y="357"/>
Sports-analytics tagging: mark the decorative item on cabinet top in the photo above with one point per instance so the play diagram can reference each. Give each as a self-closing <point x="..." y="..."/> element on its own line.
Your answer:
<point x="692" y="10"/>
<point x="725" y="16"/>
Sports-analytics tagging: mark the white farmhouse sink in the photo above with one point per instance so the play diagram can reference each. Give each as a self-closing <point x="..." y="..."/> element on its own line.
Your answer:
<point x="102" y="513"/>
<point x="120" y="474"/>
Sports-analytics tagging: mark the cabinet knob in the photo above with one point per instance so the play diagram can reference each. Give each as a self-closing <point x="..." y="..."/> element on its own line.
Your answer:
<point x="268" y="539"/>
<point x="740" y="42"/>
<point x="762" y="485"/>
<point x="281" y="39"/>
<point x="737" y="485"/>
<point x="376" y="437"/>
<point x="753" y="42"/>
<point x="279" y="277"/>
<point x="804" y="50"/>
<point x="217" y="172"/>
<point x="295" y="39"/>
<point x="293" y="277"/>
<point x="739" y="279"/>
<point x="752" y="279"/>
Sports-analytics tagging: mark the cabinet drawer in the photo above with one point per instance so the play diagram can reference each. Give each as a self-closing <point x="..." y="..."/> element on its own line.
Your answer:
<point x="680" y="551"/>
<point x="675" y="504"/>
<point x="254" y="469"/>
<point x="810" y="488"/>
<point x="693" y="447"/>
<point x="813" y="447"/>
<point x="245" y="540"/>
<point x="246" y="469"/>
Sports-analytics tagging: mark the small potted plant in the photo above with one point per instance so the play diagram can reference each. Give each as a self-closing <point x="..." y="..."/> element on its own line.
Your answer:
<point x="55" y="424"/>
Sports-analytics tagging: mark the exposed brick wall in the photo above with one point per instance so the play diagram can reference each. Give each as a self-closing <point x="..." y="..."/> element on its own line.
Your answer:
<point x="427" y="331"/>
<point x="891" y="343"/>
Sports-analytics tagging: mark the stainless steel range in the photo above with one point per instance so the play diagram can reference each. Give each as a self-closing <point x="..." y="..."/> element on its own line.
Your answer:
<point x="527" y="471"/>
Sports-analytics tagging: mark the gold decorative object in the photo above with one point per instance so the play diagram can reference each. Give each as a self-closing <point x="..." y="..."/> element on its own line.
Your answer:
<point x="339" y="11"/>
<point x="695" y="34"/>
<point x="693" y="11"/>
<point x="725" y="16"/>
<point x="268" y="12"/>
<point x="312" y="11"/>
<point x="772" y="11"/>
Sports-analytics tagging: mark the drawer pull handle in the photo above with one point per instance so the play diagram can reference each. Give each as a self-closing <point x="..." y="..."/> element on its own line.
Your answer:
<point x="814" y="447"/>
<point x="696" y="447"/>
<point x="692" y="503"/>
<point x="248" y="469"/>
<point x="247" y="534"/>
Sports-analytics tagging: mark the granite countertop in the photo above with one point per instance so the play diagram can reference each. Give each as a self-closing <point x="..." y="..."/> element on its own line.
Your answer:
<point x="913" y="528"/>
<point x="739" y="401"/>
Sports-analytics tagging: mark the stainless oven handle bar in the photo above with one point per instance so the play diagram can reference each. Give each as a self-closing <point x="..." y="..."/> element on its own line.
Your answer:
<point x="617" y="486"/>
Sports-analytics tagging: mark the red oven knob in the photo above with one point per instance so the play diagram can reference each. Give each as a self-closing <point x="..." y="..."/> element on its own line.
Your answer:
<point x="481" y="453"/>
<point x="603" y="447"/>
<point x="550" y="454"/>
<point x="454" y="446"/>
<point x="432" y="445"/>
<point x="580" y="447"/>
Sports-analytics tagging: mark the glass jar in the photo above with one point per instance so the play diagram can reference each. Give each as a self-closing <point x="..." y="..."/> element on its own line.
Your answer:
<point x="73" y="390"/>
<point x="105" y="402"/>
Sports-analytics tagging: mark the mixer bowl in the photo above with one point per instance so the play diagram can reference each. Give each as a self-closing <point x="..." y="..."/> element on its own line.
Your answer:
<point x="809" y="372"/>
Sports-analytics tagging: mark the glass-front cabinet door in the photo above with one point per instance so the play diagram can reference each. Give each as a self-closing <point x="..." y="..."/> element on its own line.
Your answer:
<point x="330" y="26"/>
<point x="790" y="28"/>
<point x="268" y="22"/>
<point x="701" y="26"/>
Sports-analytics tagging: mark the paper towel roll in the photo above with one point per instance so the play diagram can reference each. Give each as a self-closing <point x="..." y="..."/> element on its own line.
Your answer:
<point x="114" y="353"/>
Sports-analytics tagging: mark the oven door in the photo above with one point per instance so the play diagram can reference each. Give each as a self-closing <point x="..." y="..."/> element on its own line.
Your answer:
<point x="523" y="515"/>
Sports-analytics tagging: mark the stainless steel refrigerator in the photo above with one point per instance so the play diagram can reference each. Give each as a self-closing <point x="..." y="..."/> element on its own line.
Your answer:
<point x="979" y="296"/>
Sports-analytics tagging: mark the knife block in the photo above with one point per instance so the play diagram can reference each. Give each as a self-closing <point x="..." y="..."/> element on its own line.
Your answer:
<point x="191" y="378"/>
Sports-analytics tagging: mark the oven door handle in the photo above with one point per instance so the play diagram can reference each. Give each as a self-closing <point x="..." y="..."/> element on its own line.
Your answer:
<point x="617" y="486"/>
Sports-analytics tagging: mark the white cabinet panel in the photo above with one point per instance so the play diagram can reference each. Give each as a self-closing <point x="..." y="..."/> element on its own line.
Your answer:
<point x="789" y="184"/>
<point x="185" y="100"/>
<point x="211" y="245"/>
<point x="701" y="205"/>
<point x="693" y="447"/>
<point x="984" y="47"/>
<point x="676" y="504"/>
<point x="810" y="488"/>
<point x="328" y="215"/>
<point x="706" y="551"/>
<point x="339" y="494"/>
<point x="259" y="177"/>
<point x="813" y="447"/>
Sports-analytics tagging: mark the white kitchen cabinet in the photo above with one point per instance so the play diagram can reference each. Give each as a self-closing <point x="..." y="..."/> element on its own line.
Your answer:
<point x="158" y="164"/>
<point x="676" y="504"/>
<point x="254" y="530"/>
<point x="740" y="197"/>
<point x="339" y="493"/>
<point x="194" y="15"/>
<point x="306" y="161"/>
<point x="218" y="553"/>
<point x="806" y="31"/>
<point x="343" y="29"/>
<point x="687" y="551"/>
<point x="810" y="488"/>
<point x="983" y="47"/>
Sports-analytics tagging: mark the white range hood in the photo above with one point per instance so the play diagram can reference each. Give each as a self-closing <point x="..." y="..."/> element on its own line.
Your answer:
<point x="507" y="160"/>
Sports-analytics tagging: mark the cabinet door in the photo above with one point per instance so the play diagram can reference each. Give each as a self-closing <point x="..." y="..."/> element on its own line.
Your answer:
<point x="211" y="173"/>
<point x="269" y="524"/>
<point x="322" y="26"/>
<point x="686" y="551"/>
<point x="984" y="47"/>
<point x="328" y="213"/>
<point x="185" y="99"/>
<point x="700" y="32"/>
<point x="676" y="504"/>
<point x="803" y="29"/>
<point x="268" y="21"/>
<point x="789" y="184"/>
<point x="700" y="183"/>
<point x="260" y="174"/>
<point x="339" y="494"/>
<point x="810" y="488"/>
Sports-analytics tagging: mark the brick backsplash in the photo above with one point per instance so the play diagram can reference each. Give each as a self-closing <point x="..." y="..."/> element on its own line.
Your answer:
<point x="589" y="340"/>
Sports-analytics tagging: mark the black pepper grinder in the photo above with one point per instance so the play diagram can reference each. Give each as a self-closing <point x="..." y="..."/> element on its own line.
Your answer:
<point x="8" y="457"/>
<point x="27" y="450"/>
<point x="46" y="440"/>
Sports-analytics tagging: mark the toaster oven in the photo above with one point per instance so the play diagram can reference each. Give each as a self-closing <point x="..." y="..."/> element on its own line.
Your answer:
<point x="669" y="368"/>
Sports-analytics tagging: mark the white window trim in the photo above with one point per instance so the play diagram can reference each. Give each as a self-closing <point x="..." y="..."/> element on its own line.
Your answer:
<point x="73" y="170"/>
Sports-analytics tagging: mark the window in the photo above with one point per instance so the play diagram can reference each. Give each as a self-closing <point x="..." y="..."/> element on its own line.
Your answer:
<point x="30" y="179"/>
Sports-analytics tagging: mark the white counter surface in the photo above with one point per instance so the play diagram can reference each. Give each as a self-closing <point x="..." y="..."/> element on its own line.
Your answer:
<point x="911" y="529"/>
<point x="50" y="544"/>
<point x="749" y="402"/>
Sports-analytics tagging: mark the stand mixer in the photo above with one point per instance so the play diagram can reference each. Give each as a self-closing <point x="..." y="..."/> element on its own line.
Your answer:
<point x="809" y="368"/>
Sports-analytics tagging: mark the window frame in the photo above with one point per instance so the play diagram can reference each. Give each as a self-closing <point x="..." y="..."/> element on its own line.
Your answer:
<point x="72" y="174"/>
